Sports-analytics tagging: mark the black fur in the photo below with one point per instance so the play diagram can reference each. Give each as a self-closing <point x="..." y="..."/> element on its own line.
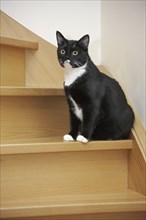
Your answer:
<point x="106" y="113"/>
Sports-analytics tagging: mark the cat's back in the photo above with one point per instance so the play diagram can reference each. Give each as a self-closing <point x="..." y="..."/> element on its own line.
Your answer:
<point x="114" y="100"/>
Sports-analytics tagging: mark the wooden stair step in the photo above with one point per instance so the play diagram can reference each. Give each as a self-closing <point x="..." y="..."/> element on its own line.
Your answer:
<point x="120" y="201"/>
<point x="43" y="177"/>
<point x="30" y="91"/>
<point x="18" y="43"/>
<point x="56" y="144"/>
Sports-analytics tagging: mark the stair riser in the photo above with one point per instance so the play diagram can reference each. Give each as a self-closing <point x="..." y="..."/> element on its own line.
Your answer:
<point x="33" y="117"/>
<point x="12" y="64"/>
<point x="43" y="175"/>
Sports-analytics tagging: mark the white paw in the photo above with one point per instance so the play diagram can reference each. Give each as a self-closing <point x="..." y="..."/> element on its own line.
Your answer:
<point x="68" y="137"/>
<point x="82" y="139"/>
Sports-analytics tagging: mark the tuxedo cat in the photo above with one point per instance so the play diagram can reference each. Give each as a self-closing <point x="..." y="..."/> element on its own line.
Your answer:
<point x="97" y="105"/>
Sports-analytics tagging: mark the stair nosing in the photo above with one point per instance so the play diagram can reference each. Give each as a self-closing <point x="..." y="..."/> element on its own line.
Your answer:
<point x="30" y="91"/>
<point x="18" y="43"/>
<point x="78" y="207"/>
<point x="52" y="147"/>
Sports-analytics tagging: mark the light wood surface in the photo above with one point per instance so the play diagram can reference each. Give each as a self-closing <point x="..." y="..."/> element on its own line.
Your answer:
<point x="18" y="43"/>
<point x="139" y="134"/>
<point x="127" y="201"/>
<point x="30" y="91"/>
<point x="33" y="117"/>
<point x="66" y="183"/>
<point x="12" y="66"/>
<point x="63" y="173"/>
<point x="136" y="169"/>
<point x="97" y="216"/>
<point x="56" y="144"/>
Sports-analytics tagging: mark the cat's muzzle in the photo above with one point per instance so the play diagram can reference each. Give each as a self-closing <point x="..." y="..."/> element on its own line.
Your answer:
<point x="67" y="64"/>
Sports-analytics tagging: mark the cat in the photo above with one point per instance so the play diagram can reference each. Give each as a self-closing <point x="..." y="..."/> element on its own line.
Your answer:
<point x="97" y="104"/>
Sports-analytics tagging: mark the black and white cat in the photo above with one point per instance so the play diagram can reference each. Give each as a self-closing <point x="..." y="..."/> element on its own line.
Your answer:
<point x="97" y="105"/>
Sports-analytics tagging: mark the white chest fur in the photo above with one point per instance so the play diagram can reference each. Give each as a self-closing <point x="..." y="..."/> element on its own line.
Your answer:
<point x="77" y="110"/>
<point x="71" y="74"/>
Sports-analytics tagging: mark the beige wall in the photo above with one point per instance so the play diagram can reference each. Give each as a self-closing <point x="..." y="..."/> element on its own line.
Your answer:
<point x="123" y="47"/>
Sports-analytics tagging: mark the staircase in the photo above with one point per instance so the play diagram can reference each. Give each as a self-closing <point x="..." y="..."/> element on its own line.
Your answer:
<point x="43" y="177"/>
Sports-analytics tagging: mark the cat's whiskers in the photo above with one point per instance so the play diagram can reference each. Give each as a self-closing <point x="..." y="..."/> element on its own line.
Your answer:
<point x="78" y="64"/>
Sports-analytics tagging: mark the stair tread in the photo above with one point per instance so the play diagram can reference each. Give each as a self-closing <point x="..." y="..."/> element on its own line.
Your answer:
<point x="122" y="201"/>
<point x="56" y="144"/>
<point x="18" y="43"/>
<point x="30" y="91"/>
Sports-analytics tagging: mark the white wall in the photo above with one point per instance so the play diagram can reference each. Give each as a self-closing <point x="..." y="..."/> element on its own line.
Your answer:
<point x="123" y="47"/>
<point x="72" y="18"/>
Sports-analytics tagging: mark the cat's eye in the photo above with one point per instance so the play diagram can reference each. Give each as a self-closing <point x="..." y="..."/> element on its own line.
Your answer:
<point x="75" y="53"/>
<point x="62" y="51"/>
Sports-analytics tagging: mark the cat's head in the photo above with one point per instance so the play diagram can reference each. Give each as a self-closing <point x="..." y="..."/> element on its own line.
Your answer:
<point x="72" y="52"/>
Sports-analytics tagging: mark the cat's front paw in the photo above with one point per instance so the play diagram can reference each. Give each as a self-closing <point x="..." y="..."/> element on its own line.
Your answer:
<point x="82" y="139"/>
<point x="68" y="137"/>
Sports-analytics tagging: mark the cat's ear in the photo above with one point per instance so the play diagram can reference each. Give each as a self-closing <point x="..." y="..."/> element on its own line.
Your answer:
<point x="84" y="41"/>
<point x="60" y="38"/>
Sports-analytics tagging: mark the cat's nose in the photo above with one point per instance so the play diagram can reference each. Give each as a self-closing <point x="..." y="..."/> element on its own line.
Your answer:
<point x="67" y="63"/>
